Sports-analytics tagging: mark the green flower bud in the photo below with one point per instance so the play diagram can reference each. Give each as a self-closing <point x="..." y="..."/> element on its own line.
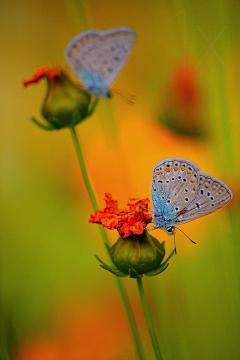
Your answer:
<point x="140" y="252"/>
<point x="63" y="99"/>
<point x="137" y="255"/>
<point x="66" y="104"/>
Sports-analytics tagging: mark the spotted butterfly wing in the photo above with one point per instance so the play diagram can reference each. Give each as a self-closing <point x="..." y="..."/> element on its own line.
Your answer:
<point x="212" y="194"/>
<point x="97" y="57"/>
<point x="173" y="181"/>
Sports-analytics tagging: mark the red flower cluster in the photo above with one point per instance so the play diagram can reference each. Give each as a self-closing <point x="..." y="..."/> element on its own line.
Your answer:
<point x="40" y="73"/>
<point x="128" y="221"/>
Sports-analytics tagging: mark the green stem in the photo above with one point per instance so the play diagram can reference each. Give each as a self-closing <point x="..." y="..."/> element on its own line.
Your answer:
<point x="92" y="109"/>
<point x="149" y="320"/>
<point x="107" y="246"/>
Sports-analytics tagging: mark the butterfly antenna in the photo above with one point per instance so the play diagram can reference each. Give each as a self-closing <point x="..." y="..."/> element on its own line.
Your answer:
<point x="129" y="99"/>
<point x="175" y="246"/>
<point x="186" y="235"/>
<point x="129" y="102"/>
<point x="128" y="95"/>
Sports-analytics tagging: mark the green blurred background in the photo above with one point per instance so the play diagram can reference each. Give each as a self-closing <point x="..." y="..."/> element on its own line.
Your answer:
<point x="56" y="303"/>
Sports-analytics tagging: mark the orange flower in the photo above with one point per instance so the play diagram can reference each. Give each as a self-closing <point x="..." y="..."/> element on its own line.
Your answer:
<point x="40" y="73"/>
<point x="129" y="221"/>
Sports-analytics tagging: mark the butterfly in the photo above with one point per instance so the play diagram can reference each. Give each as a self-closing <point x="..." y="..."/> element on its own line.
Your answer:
<point x="97" y="57"/>
<point x="182" y="193"/>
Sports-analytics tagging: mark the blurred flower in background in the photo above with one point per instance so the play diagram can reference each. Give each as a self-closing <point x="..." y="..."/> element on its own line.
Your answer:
<point x="183" y="105"/>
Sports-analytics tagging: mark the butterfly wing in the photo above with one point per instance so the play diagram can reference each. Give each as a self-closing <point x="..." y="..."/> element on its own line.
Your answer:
<point x="176" y="181"/>
<point x="87" y="51"/>
<point x="212" y="194"/>
<point x="103" y="53"/>
<point x="120" y="42"/>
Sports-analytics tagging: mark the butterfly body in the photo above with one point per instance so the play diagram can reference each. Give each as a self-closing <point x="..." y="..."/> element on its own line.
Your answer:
<point x="182" y="193"/>
<point x="93" y="83"/>
<point x="97" y="57"/>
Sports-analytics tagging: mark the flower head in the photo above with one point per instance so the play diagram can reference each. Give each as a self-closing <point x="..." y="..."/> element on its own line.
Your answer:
<point x="131" y="220"/>
<point x="39" y="73"/>
<point x="66" y="104"/>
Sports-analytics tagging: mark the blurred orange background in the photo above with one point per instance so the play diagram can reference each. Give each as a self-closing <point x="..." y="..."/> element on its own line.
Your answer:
<point x="56" y="302"/>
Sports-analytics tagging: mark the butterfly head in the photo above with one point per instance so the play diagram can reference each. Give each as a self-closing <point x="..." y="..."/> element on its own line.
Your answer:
<point x="164" y="221"/>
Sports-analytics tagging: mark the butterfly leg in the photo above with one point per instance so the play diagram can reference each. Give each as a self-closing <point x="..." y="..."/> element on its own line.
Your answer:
<point x="175" y="247"/>
<point x="146" y="208"/>
<point x="154" y="227"/>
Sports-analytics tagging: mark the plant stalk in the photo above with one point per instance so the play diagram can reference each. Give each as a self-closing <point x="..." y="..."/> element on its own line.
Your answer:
<point x="122" y="291"/>
<point x="149" y="320"/>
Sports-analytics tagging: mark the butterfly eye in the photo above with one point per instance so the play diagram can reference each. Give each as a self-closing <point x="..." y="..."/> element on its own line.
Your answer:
<point x="170" y="230"/>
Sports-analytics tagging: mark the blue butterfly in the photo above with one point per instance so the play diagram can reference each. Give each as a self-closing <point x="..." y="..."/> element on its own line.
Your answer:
<point x="182" y="193"/>
<point x="97" y="57"/>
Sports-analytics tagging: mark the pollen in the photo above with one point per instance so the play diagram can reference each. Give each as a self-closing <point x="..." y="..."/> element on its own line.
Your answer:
<point x="192" y="180"/>
<point x="167" y="169"/>
<point x="157" y="172"/>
